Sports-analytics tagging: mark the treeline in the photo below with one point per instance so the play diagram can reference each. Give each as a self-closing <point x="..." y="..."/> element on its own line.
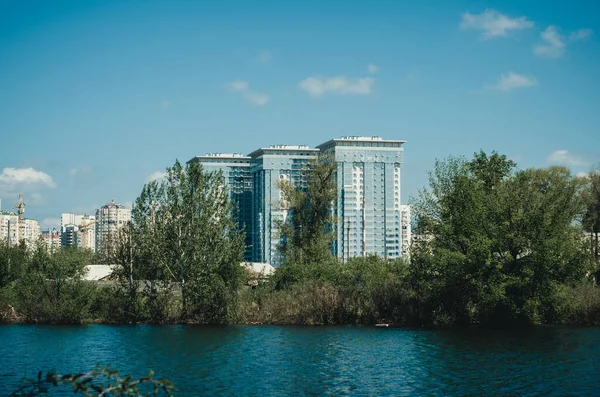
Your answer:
<point x="498" y="246"/>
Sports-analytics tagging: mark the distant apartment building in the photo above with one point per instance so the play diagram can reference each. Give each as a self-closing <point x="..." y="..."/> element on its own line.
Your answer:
<point x="52" y="238"/>
<point x="12" y="231"/>
<point x="109" y="219"/>
<point x="78" y="230"/>
<point x="406" y="231"/>
<point x="236" y="175"/>
<point x="368" y="210"/>
<point x="370" y="218"/>
<point x="9" y="228"/>
<point x="269" y="166"/>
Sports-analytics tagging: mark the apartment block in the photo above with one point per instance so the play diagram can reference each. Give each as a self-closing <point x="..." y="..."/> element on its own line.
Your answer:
<point x="109" y="219"/>
<point x="269" y="166"/>
<point x="370" y="218"/>
<point x="368" y="210"/>
<point x="236" y="174"/>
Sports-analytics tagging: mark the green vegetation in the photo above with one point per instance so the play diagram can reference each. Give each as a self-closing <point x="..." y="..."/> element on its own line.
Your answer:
<point x="101" y="381"/>
<point x="499" y="247"/>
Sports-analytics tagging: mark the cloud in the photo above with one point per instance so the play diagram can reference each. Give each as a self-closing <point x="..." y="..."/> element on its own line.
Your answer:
<point x="582" y="174"/>
<point x="166" y="104"/>
<point x="253" y="97"/>
<point x="50" y="223"/>
<point x="318" y="86"/>
<point x="568" y="158"/>
<point x="156" y="175"/>
<point x="581" y="34"/>
<point x="511" y="81"/>
<point x="493" y="24"/>
<point x="554" y="45"/>
<point x="372" y="68"/>
<point x="80" y="169"/>
<point x="12" y="179"/>
<point x="264" y="56"/>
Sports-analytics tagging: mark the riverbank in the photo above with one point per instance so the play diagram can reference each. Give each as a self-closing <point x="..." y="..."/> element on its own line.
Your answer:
<point x="310" y="303"/>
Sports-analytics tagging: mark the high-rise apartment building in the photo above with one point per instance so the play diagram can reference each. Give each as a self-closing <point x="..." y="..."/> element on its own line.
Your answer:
<point x="78" y="230"/>
<point x="109" y="219"/>
<point x="236" y="175"/>
<point x="9" y="228"/>
<point x="52" y="239"/>
<point x="370" y="218"/>
<point x="269" y="166"/>
<point x="368" y="209"/>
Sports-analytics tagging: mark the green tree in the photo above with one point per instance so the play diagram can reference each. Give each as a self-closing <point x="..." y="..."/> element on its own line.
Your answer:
<point x="183" y="234"/>
<point x="308" y="232"/>
<point x="591" y="219"/>
<point x="101" y="381"/>
<point x="53" y="290"/>
<point x="504" y="243"/>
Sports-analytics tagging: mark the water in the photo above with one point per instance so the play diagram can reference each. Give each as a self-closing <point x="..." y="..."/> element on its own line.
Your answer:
<point x="316" y="361"/>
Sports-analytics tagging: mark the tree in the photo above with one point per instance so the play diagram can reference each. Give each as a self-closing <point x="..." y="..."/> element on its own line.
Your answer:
<point x="504" y="243"/>
<point x="183" y="233"/>
<point x="52" y="289"/>
<point x="309" y="231"/>
<point x="591" y="218"/>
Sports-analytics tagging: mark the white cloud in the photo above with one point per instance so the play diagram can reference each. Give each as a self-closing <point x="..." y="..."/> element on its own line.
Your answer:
<point x="511" y="81"/>
<point x="155" y="176"/>
<point x="11" y="178"/>
<point x="166" y="104"/>
<point x="264" y="56"/>
<point x="568" y="158"/>
<point x="50" y="222"/>
<point x="554" y="45"/>
<point x="493" y="24"/>
<point x="317" y="86"/>
<point x="253" y="97"/>
<point x="582" y="174"/>
<point x="581" y="34"/>
<point x="238" y="86"/>
<point x="80" y="169"/>
<point x="372" y="68"/>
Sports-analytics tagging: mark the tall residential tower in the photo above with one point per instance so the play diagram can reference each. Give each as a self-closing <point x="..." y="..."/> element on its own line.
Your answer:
<point x="236" y="174"/>
<point x="268" y="166"/>
<point x="368" y="210"/>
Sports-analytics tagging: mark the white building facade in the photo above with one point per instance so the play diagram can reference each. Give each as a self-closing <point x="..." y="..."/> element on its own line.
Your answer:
<point x="109" y="219"/>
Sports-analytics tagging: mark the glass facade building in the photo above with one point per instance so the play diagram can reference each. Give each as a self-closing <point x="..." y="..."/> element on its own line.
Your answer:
<point x="236" y="173"/>
<point x="268" y="166"/>
<point x="370" y="218"/>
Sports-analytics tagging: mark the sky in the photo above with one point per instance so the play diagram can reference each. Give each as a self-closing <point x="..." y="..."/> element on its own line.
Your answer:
<point x="98" y="97"/>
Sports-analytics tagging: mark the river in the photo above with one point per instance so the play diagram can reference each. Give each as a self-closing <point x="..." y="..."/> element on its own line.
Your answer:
<point x="316" y="361"/>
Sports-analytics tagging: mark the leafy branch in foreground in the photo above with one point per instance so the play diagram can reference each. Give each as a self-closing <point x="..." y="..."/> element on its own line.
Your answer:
<point x="101" y="381"/>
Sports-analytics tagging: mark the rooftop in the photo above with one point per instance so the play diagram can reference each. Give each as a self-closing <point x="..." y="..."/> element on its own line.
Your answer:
<point x="366" y="141"/>
<point x="282" y="149"/>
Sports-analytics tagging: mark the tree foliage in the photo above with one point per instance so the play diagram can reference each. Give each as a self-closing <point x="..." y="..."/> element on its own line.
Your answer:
<point x="183" y="241"/>
<point x="101" y="381"/>
<point x="591" y="218"/>
<point x="504" y="243"/>
<point x="308" y="232"/>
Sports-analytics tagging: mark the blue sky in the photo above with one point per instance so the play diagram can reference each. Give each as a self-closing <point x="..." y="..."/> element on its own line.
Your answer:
<point x="97" y="96"/>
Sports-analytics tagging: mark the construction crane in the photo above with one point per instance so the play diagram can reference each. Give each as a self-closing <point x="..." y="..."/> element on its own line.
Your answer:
<point x="83" y="228"/>
<point x="20" y="211"/>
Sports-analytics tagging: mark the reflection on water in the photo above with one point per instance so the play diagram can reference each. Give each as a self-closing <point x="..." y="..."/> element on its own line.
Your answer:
<point x="315" y="361"/>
